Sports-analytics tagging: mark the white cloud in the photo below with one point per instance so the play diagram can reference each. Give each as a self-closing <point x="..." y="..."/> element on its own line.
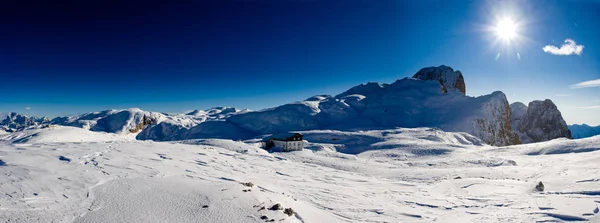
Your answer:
<point x="568" y="48"/>
<point x="27" y="108"/>
<point x="591" y="107"/>
<point x="563" y="95"/>
<point x="590" y="83"/>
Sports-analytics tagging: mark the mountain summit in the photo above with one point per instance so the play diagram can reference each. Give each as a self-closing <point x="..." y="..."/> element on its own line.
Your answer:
<point x="538" y="122"/>
<point x="449" y="79"/>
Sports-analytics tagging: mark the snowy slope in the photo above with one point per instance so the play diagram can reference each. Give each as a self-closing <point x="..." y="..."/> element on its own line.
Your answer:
<point x="201" y="180"/>
<point x="60" y="134"/>
<point x="584" y="131"/>
<point x="410" y="142"/>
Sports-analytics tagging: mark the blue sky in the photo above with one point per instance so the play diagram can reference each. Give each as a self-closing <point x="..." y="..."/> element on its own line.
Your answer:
<point x="63" y="59"/>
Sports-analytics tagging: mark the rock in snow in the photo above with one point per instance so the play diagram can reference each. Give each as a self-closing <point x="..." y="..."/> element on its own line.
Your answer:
<point x="538" y="122"/>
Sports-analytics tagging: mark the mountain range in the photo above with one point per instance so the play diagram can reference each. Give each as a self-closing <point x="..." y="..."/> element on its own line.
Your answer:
<point x="584" y="131"/>
<point x="433" y="97"/>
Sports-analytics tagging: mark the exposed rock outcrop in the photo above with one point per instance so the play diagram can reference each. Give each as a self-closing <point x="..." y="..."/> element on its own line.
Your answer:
<point x="449" y="79"/>
<point x="146" y="121"/>
<point x="14" y="120"/>
<point x="542" y="121"/>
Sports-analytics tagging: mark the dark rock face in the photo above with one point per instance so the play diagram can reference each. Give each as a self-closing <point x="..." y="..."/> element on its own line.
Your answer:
<point x="496" y="128"/>
<point x="541" y="122"/>
<point x="15" y="121"/>
<point x="448" y="78"/>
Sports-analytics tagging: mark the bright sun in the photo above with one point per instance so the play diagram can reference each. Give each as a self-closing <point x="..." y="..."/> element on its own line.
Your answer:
<point x="506" y="29"/>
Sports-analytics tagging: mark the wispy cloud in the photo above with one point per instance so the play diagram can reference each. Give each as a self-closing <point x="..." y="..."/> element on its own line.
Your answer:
<point x="27" y="108"/>
<point x="590" y="83"/>
<point x="591" y="107"/>
<point x="568" y="48"/>
<point x="563" y="95"/>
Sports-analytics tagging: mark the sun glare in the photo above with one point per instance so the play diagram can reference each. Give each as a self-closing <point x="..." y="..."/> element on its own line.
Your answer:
<point x="506" y="29"/>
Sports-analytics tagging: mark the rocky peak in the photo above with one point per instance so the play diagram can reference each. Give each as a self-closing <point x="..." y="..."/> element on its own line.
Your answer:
<point x="542" y="121"/>
<point x="15" y="120"/>
<point x="450" y="79"/>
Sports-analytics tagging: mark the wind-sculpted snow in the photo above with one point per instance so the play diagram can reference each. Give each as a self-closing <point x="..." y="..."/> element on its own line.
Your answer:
<point x="560" y="146"/>
<point x="411" y="142"/>
<point x="427" y="176"/>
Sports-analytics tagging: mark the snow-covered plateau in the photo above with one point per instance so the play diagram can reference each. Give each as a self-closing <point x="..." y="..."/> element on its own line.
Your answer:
<point x="69" y="174"/>
<point x="415" y="150"/>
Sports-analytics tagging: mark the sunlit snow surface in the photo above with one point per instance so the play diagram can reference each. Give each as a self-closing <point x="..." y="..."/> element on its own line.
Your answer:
<point x="65" y="174"/>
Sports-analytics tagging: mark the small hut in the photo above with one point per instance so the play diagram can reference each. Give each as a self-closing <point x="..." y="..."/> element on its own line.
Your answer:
<point x="287" y="142"/>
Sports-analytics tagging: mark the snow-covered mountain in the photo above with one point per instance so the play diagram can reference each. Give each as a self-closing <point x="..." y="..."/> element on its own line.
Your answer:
<point x="217" y="113"/>
<point x="538" y="122"/>
<point x="113" y="121"/>
<point x="584" y="131"/>
<point x="408" y="102"/>
<point x="155" y="125"/>
<point x="14" y="121"/>
<point x="433" y="97"/>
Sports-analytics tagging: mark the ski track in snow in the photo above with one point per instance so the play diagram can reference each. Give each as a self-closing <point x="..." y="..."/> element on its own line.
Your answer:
<point x="142" y="181"/>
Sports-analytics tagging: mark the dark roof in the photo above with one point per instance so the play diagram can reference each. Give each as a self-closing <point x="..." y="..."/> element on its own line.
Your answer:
<point x="288" y="136"/>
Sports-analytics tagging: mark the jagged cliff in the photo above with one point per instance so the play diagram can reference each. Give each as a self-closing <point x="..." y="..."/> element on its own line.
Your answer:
<point x="538" y="122"/>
